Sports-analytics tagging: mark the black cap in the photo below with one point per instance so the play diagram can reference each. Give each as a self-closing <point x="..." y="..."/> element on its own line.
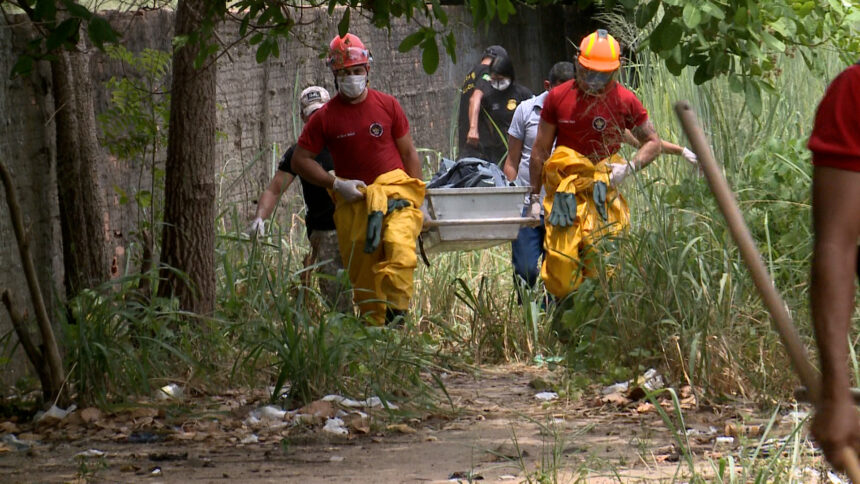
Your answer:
<point x="503" y="66"/>
<point x="494" y="51"/>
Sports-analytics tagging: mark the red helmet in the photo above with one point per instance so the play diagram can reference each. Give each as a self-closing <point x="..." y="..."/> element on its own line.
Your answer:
<point x="347" y="51"/>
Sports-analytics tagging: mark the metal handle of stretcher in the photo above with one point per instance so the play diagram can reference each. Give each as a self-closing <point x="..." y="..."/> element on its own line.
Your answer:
<point x="527" y="221"/>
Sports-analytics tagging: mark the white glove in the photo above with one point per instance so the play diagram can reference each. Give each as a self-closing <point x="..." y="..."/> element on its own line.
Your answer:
<point x="691" y="157"/>
<point x="348" y="189"/>
<point x="619" y="173"/>
<point x="534" y="207"/>
<point x="258" y="226"/>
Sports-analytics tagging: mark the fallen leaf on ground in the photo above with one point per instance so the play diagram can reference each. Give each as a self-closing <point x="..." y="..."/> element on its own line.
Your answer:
<point x="8" y="428"/>
<point x="645" y="407"/>
<point x="142" y="412"/>
<point x="91" y="414"/>
<point x="402" y="428"/>
<point x="615" y="399"/>
<point x="319" y="408"/>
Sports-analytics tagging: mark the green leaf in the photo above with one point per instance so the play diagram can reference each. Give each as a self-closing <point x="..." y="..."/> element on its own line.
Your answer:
<point x="741" y="17"/>
<point x="45" y="11"/>
<point x="646" y="12"/>
<point x="752" y="94"/>
<point x="692" y="16"/>
<point x="23" y="67"/>
<point x="263" y="50"/>
<point x="713" y="10"/>
<point x="411" y="41"/>
<point x="256" y="38"/>
<point x="67" y="31"/>
<point x="736" y="84"/>
<point x="343" y="25"/>
<point x="450" y="43"/>
<point x="430" y="56"/>
<point x="100" y="32"/>
<point x="703" y="73"/>
<point x="772" y="42"/>
<point x="505" y="9"/>
<point x="77" y="10"/>
<point x="666" y="36"/>
<point x="243" y="27"/>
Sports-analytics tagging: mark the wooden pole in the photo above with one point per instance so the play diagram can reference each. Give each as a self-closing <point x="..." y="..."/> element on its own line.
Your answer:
<point x="752" y="258"/>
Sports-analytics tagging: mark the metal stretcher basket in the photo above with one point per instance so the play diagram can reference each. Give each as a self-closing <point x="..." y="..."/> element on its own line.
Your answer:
<point x="473" y="218"/>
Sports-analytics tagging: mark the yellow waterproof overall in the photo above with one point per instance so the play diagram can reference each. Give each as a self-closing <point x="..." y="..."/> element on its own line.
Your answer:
<point x="383" y="278"/>
<point x="565" y="265"/>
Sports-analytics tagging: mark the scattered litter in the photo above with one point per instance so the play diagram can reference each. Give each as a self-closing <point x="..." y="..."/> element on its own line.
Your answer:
<point x="91" y="453"/>
<point x="467" y="475"/>
<point x="54" y="412"/>
<point x="251" y="439"/>
<point x="710" y="431"/>
<point x="546" y="396"/>
<point x="372" y="402"/>
<point x="507" y="477"/>
<point x="724" y="440"/>
<point x="653" y="380"/>
<point x="620" y="387"/>
<point x="170" y="391"/>
<point x="336" y="458"/>
<point x="13" y="442"/>
<point x="797" y="415"/>
<point x="156" y="472"/>
<point x="285" y="391"/>
<point x="144" y="438"/>
<point x="834" y="478"/>
<point x="270" y="412"/>
<point x="335" y="426"/>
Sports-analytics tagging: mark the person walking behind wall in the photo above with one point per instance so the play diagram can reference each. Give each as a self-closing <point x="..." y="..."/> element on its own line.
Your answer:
<point x="585" y="118"/>
<point x="319" y="222"/>
<point x="835" y="146"/>
<point x="497" y="109"/>
<point x="378" y="190"/>
<point x="475" y="86"/>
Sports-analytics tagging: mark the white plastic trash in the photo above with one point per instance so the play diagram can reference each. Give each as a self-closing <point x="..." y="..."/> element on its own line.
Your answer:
<point x="335" y="426"/>
<point x="171" y="391"/>
<point x="546" y="396"/>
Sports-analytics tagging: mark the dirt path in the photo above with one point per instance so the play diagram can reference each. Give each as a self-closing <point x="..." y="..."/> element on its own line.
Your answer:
<point x="583" y="440"/>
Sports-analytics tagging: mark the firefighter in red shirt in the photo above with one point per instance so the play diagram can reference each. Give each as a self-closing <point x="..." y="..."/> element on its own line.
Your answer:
<point x="586" y="117"/>
<point x="378" y="188"/>
<point x="835" y="146"/>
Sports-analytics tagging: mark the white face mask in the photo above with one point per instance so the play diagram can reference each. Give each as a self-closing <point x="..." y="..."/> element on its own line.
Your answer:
<point x="351" y="86"/>
<point x="501" y="84"/>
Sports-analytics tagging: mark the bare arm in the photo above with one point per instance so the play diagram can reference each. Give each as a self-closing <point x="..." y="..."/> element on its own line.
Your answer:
<point x="512" y="162"/>
<point x="836" y="222"/>
<point x="270" y="196"/>
<point x="306" y="167"/>
<point x="666" y="147"/>
<point x="540" y="152"/>
<point x="474" y="113"/>
<point x="649" y="143"/>
<point x="409" y="156"/>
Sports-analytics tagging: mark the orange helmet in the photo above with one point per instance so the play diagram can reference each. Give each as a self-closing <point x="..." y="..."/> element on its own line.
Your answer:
<point x="347" y="51"/>
<point x="599" y="51"/>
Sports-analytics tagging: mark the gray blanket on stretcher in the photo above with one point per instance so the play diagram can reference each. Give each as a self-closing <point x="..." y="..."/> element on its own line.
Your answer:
<point x="468" y="173"/>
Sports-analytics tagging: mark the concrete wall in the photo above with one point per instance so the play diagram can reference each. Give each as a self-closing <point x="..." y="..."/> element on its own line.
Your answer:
<point x="257" y="115"/>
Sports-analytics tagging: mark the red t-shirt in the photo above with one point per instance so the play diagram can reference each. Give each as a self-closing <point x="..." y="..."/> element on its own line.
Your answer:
<point x="359" y="136"/>
<point x="592" y="125"/>
<point x="835" y="139"/>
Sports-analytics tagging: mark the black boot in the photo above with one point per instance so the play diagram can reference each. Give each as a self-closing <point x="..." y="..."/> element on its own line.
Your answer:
<point x="395" y="318"/>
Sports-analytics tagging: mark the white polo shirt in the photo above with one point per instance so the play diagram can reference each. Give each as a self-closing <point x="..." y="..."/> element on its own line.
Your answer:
<point x="524" y="127"/>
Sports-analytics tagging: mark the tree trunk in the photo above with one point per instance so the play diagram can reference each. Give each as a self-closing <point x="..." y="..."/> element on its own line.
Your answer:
<point x="82" y="208"/>
<point x="188" y="238"/>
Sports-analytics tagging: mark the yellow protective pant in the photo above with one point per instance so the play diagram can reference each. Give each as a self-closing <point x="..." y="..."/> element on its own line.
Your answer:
<point x="566" y="264"/>
<point x="383" y="278"/>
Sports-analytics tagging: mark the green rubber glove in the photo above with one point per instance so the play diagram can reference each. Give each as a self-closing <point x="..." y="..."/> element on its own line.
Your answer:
<point x="374" y="232"/>
<point x="395" y="204"/>
<point x="563" y="210"/>
<point x="599" y="196"/>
